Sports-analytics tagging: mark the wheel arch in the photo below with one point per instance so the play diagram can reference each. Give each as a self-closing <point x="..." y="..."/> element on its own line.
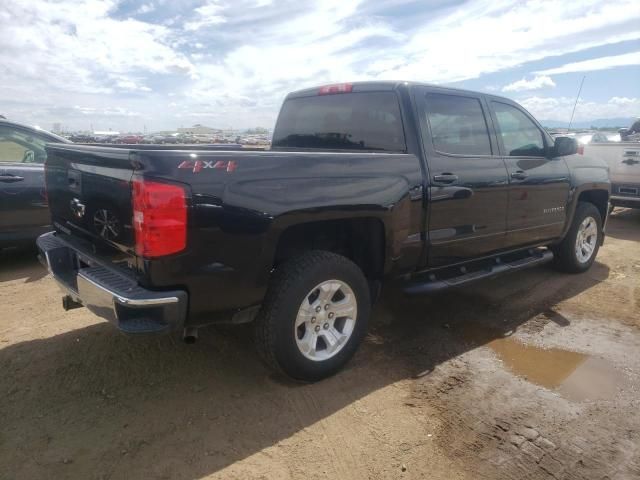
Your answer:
<point x="599" y="198"/>
<point x="596" y="193"/>
<point x="360" y="239"/>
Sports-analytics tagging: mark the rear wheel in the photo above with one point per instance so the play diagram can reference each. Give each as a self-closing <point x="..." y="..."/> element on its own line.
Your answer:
<point x="314" y="316"/>
<point x="577" y="251"/>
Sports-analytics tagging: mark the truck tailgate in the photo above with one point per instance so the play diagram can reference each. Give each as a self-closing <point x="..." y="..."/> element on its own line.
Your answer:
<point x="89" y="193"/>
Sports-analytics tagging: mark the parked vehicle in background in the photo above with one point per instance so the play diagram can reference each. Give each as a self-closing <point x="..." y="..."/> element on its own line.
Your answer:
<point x="431" y="186"/>
<point x="101" y="138"/>
<point x="129" y="139"/>
<point x="82" y="138"/>
<point x="623" y="159"/>
<point x="24" y="214"/>
<point x="152" y="139"/>
<point x="595" y="137"/>
<point x="186" y="139"/>
<point x="202" y="138"/>
<point x="170" y="139"/>
<point x="631" y="134"/>
<point x="599" y="137"/>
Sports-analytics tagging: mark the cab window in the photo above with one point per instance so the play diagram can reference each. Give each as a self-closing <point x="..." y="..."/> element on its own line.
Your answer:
<point x="520" y="136"/>
<point x="17" y="146"/>
<point x="346" y="121"/>
<point x="458" y="125"/>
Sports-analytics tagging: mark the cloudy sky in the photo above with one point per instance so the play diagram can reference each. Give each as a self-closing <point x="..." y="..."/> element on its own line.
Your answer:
<point x="162" y="64"/>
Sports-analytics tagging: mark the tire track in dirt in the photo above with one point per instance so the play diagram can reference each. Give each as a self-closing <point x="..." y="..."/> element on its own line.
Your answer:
<point x="529" y="433"/>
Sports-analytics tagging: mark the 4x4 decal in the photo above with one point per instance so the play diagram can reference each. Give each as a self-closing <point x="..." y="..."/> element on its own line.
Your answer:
<point x="197" y="165"/>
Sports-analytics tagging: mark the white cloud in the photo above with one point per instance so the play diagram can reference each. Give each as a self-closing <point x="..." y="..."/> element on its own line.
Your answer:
<point x="536" y="83"/>
<point x="108" y="112"/>
<point x="208" y="15"/>
<point x="132" y="86"/>
<point x="145" y="8"/>
<point x="602" y="63"/>
<point x="559" y="108"/>
<point x="76" y="46"/>
<point x="321" y="46"/>
<point x="487" y="36"/>
<point x="623" y="101"/>
<point x="251" y="52"/>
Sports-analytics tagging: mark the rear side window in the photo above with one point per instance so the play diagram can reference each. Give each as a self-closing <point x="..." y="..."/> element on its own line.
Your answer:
<point x="458" y="125"/>
<point x="520" y="136"/>
<point x="348" y="121"/>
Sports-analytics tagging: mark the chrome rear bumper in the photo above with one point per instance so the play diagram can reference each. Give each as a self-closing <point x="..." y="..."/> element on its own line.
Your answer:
<point x="109" y="291"/>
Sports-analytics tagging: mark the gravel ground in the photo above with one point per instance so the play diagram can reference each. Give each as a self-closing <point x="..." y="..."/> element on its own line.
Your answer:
<point x="534" y="375"/>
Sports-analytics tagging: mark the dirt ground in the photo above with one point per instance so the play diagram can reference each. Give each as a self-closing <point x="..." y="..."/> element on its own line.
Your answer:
<point x="534" y="375"/>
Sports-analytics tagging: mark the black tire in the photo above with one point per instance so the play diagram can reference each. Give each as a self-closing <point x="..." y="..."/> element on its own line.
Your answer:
<point x="275" y="333"/>
<point x="565" y="255"/>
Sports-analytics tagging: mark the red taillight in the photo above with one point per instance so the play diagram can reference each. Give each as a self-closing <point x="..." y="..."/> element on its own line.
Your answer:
<point x="337" y="88"/>
<point x="159" y="218"/>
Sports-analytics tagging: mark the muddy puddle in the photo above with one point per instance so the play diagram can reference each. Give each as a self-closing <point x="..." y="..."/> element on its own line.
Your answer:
<point x="575" y="376"/>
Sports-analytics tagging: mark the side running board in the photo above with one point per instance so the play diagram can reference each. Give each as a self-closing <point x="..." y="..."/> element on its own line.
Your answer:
<point x="461" y="275"/>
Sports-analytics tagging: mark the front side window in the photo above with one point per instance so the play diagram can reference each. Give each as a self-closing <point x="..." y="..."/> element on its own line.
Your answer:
<point x="457" y="125"/>
<point x="520" y="136"/>
<point x="18" y="146"/>
<point x="348" y="121"/>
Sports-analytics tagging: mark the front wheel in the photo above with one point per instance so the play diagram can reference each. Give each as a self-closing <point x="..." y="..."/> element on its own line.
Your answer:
<point x="577" y="251"/>
<point x="314" y="316"/>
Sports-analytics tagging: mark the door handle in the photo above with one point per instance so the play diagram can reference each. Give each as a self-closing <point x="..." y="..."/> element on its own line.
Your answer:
<point x="10" y="178"/>
<point x="445" y="178"/>
<point x="519" y="175"/>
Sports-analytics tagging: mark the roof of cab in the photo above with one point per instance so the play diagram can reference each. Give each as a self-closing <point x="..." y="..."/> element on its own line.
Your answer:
<point x="52" y="136"/>
<point x="386" y="85"/>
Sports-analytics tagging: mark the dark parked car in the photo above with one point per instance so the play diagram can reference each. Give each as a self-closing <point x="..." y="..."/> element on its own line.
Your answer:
<point x="23" y="203"/>
<point x="431" y="186"/>
<point x="172" y="139"/>
<point x="83" y="138"/>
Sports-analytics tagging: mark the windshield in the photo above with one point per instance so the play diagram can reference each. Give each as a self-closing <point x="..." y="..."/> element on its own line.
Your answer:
<point x="353" y="121"/>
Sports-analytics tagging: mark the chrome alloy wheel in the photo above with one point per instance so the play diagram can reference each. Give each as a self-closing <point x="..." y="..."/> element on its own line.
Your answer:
<point x="106" y="224"/>
<point x="325" y="320"/>
<point x="586" y="239"/>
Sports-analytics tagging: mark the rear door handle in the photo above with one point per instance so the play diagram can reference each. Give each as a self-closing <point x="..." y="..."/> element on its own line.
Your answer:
<point x="445" y="178"/>
<point x="519" y="175"/>
<point x="10" y="178"/>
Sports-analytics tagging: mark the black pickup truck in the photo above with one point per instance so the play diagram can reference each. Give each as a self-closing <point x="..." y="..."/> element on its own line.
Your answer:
<point x="432" y="186"/>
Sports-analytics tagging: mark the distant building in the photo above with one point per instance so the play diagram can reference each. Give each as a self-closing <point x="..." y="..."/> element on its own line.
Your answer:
<point x="199" y="129"/>
<point x="57" y="128"/>
<point x="108" y="133"/>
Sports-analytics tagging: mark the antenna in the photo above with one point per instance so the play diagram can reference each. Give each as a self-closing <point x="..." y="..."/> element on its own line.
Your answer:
<point x="575" y="104"/>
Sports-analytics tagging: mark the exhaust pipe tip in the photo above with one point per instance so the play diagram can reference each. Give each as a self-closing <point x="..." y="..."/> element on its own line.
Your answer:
<point x="190" y="335"/>
<point x="68" y="303"/>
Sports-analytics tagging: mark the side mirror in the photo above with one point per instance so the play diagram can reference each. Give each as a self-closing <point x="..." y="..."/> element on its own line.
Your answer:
<point x="564" y="146"/>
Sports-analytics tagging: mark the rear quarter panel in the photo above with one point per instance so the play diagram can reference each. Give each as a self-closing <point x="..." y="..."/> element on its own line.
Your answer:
<point x="238" y="213"/>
